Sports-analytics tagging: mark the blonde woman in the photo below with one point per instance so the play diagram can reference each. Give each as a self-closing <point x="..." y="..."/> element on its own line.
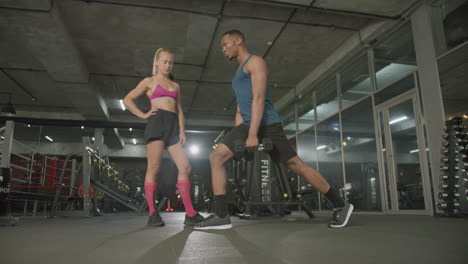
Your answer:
<point x="164" y="129"/>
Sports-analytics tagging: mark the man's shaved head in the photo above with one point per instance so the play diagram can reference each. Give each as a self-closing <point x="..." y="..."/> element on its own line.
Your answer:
<point x="235" y="32"/>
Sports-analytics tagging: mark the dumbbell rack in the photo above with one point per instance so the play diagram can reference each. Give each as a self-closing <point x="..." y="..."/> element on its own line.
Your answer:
<point x="453" y="187"/>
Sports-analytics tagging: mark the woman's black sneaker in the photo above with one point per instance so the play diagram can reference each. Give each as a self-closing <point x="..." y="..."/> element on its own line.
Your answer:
<point x="191" y="221"/>
<point x="155" y="219"/>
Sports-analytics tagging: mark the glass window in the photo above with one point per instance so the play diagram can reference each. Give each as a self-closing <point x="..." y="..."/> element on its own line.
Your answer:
<point x="355" y="82"/>
<point x="456" y="24"/>
<point x="406" y="156"/>
<point x="329" y="155"/>
<point x="306" y="112"/>
<point x="307" y="151"/>
<point x="289" y="120"/>
<point x="395" y="89"/>
<point x="327" y="100"/>
<point x="395" y="57"/>
<point x="360" y="157"/>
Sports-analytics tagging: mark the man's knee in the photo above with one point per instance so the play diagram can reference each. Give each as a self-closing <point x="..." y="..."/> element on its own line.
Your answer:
<point x="218" y="157"/>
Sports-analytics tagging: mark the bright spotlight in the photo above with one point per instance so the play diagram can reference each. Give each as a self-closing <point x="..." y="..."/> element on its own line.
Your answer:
<point x="194" y="149"/>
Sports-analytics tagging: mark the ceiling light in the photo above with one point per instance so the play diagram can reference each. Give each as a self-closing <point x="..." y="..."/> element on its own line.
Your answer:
<point x="82" y="127"/>
<point x="94" y="139"/>
<point x="134" y="141"/>
<point x="399" y="119"/>
<point x="48" y="138"/>
<point x="465" y="116"/>
<point x="321" y="147"/>
<point x="345" y="144"/>
<point x="130" y="129"/>
<point x="122" y="105"/>
<point x="414" y="151"/>
<point x="29" y="125"/>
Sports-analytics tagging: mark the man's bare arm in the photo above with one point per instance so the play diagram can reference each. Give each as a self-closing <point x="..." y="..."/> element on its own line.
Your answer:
<point x="258" y="72"/>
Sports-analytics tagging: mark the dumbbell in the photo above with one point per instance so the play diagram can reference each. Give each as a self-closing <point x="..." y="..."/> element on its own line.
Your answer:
<point x="240" y="149"/>
<point x="442" y="205"/>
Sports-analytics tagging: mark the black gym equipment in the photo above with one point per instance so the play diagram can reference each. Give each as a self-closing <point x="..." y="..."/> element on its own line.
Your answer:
<point x="259" y="187"/>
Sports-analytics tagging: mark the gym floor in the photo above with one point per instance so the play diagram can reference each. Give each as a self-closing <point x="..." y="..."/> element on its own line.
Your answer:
<point x="123" y="238"/>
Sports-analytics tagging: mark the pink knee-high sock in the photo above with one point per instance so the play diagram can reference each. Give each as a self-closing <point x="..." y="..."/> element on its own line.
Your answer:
<point x="150" y="193"/>
<point x="184" y="190"/>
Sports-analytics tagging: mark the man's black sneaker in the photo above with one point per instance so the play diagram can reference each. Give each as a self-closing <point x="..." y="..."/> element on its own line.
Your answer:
<point x="214" y="222"/>
<point x="155" y="219"/>
<point x="191" y="221"/>
<point x="341" y="215"/>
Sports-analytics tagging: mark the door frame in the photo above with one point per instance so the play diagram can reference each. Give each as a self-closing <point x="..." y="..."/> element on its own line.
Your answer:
<point x="383" y="108"/>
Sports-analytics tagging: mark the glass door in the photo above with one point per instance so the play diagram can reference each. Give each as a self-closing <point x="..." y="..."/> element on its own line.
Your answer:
<point x="403" y="155"/>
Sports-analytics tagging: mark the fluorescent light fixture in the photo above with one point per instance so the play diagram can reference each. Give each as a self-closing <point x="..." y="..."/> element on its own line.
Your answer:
<point x="336" y="129"/>
<point x="130" y="129"/>
<point x="321" y="147"/>
<point x="48" y="138"/>
<point x="399" y="119"/>
<point x="134" y="141"/>
<point x="194" y="149"/>
<point x="122" y="105"/>
<point x="414" y="151"/>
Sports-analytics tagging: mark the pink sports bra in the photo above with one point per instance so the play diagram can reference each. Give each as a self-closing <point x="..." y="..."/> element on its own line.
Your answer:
<point x="160" y="92"/>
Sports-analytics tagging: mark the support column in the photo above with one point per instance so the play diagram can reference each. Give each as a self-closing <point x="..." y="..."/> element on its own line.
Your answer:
<point x="431" y="94"/>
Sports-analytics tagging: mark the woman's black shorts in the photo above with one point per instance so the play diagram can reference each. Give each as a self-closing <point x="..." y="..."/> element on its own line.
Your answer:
<point x="164" y="125"/>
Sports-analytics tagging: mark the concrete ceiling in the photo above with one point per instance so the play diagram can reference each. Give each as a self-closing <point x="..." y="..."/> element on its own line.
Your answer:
<point x="74" y="59"/>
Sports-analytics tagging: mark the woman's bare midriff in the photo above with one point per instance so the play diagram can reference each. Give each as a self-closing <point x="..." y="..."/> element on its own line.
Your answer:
<point x="165" y="104"/>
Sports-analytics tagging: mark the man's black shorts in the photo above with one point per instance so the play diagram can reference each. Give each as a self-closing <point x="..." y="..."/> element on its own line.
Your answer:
<point x="282" y="148"/>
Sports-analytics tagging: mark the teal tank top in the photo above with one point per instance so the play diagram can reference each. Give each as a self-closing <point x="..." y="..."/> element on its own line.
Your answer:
<point x="242" y="85"/>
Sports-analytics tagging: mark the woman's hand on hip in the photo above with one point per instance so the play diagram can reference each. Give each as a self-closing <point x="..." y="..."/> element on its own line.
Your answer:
<point x="150" y="113"/>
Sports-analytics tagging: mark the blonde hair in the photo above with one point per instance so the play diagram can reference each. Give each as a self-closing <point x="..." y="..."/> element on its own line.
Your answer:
<point x="156" y="57"/>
